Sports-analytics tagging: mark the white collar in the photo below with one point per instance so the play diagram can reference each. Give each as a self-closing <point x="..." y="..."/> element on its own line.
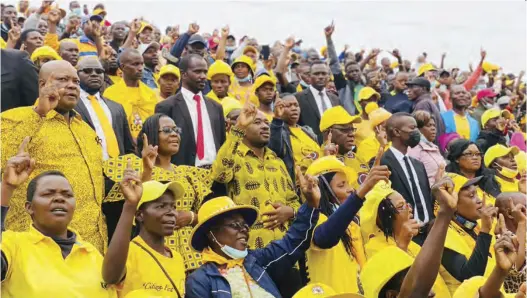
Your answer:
<point x="86" y="94"/>
<point x="189" y="94"/>
<point x="398" y="154"/>
<point x="315" y="91"/>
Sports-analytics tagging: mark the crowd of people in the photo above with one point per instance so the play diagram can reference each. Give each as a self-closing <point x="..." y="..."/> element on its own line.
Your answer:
<point x="140" y="162"/>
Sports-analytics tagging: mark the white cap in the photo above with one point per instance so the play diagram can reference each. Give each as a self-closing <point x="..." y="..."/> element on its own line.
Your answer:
<point x="503" y="100"/>
<point x="145" y="46"/>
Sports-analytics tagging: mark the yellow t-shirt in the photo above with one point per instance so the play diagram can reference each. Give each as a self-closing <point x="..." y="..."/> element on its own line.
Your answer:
<point x="507" y="186"/>
<point x="364" y="131"/>
<point x="115" y="79"/>
<point x="243" y="93"/>
<point x="36" y="268"/>
<point x="335" y="267"/>
<point x="462" y="126"/>
<point x="143" y="273"/>
<point x="305" y="149"/>
<point x="369" y="147"/>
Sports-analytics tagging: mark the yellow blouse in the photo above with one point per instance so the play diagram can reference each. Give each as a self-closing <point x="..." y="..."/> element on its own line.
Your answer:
<point x="358" y="166"/>
<point x="305" y="149"/>
<point x="196" y="182"/>
<point x="506" y="186"/>
<point x="71" y="148"/>
<point x="243" y="93"/>
<point x="254" y="181"/>
<point x="364" y="131"/>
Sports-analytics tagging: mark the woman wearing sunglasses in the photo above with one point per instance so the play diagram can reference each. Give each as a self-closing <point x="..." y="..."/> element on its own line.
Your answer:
<point x="159" y="140"/>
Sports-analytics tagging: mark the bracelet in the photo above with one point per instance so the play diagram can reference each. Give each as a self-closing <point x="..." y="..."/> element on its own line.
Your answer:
<point x="191" y="217"/>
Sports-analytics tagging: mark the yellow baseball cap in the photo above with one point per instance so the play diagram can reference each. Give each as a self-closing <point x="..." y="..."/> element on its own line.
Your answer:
<point x="394" y="64"/>
<point x="521" y="161"/>
<point x="262" y="80"/>
<point x="153" y="190"/>
<point x="323" y="50"/>
<point x="337" y="115"/>
<point x="330" y="164"/>
<point x="489" y="67"/>
<point x="378" y="116"/>
<point x="99" y="11"/>
<point x="493" y="113"/>
<point x="461" y="181"/>
<point x="219" y="67"/>
<point x="425" y="67"/>
<point x="212" y="209"/>
<point x="381" y="267"/>
<point x="45" y="51"/>
<point x="230" y="104"/>
<point x="250" y="49"/>
<point x="169" y="68"/>
<point x="145" y="25"/>
<point x="498" y="150"/>
<point x="369" y="211"/>
<point x="246" y="60"/>
<point x="367" y="92"/>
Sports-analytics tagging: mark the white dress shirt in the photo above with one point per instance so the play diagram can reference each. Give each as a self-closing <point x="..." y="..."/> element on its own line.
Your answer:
<point x="208" y="136"/>
<point x="95" y="120"/>
<point x="400" y="158"/>
<point x="319" y="100"/>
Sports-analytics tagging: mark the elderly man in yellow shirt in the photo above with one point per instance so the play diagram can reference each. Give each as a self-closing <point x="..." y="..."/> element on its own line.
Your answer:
<point x="256" y="176"/>
<point x="61" y="141"/>
<point x="339" y="127"/>
<point x="137" y="99"/>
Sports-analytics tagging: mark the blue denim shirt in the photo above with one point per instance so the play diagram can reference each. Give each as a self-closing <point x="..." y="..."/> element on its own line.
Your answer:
<point x="148" y="78"/>
<point x="264" y="265"/>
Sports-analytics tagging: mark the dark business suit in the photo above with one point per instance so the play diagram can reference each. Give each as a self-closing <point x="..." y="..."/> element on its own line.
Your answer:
<point x="309" y="114"/>
<point x="119" y="124"/>
<point x="402" y="184"/>
<point x="176" y="108"/>
<point x="19" y="80"/>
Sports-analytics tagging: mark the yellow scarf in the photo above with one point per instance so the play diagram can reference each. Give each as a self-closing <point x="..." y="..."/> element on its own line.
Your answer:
<point x="208" y="255"/>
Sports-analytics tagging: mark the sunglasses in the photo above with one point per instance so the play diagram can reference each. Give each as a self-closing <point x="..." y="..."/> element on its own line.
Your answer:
<point x="169" y="130"/>
<point x="91" y="70"/>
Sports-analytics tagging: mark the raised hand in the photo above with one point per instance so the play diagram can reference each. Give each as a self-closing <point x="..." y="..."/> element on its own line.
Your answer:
<point x="96" y="29"/>
<point x="409" y="230"/>
<point x="329" y="147"/>
<point x="522" y="185"/>
<point x="517" y="212"/>
<point x="396" y="53"/>
<point x="440" y="172"/>
<point x="376" y="174"/>
<point x="225" y="31"/>
<point x="483" y="54"/>
<point x="45" y="6"/>
<point x="443" y="56"/>
<point x="193" y="28"/>
<point x="54" y="16"/>
<point x="131" y="185"/>
<point x="380" y="135"/>
<point x="247" y="115"/>
<point x="488" y="214"/>
<point x="49" y="97"/>
<point x="506" y="249"/>
<point x="443" y="192"/>
<point x="289" y="43"/>
<point x="329" y="29"/>
<point x="278" y="216"/>
<point x="375" y="52"/>
<point x="18" y="167"/>
<point x="14" y="33"/>
<point x="309" y="187"/>
<point x="135" y="26"/>
<point x="72" y="26"/>
<point x="279" y="108"/>
<point x="149" y="154"/>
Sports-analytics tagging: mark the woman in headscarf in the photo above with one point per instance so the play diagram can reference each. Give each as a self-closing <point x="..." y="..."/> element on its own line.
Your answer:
<point x="230" y="268"/>
<point x="466" y="160"/>
<point x="159" y="140"/>
<point x="146" y="263"/>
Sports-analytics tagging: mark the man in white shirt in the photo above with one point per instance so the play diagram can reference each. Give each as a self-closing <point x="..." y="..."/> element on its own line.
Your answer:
<point x="200" y="118"/>
<point x="106" y="117"/>
<point x="315" y="100"/>
<point x="408" y="175"/>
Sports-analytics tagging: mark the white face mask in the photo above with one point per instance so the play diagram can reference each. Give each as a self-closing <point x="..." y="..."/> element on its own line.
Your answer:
<point x="232" y="252"/>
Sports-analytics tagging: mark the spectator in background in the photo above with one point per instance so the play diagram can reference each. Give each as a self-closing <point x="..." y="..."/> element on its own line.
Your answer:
<point x="486" y="99"/>
<point x="69" y="51"/>
<point x="118" y="34"/>
<point x="43" y="55"/>
<point x="426" y="151"/>
<point x="501" y="160"/>
<point x="111" y="66"/>
<point x="31" y="39"/>
<point x="368" y="97"/>
<point x="9" y="17"/>
<point x="419" y="93"/>
<point x="493" y="123"/>
<point x="219" y="76"/>
<point x="241" y="87"/>
<point x="151" y="60"/>
<point x="458" y="119"/>
<point x="169" y="77"/>
<point x="19" y="80"/>
<point x="398" y="100"/>
<point x="370" y="146"/>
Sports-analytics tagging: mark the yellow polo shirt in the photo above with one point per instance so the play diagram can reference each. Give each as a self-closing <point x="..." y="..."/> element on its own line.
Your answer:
<point x="143" y="273"/>
<point x="462" y="126"/>
<point x="36" y="268"/>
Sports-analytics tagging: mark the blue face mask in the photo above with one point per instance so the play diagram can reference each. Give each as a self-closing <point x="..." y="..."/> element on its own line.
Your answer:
<point x="77" y="11"/>
<point x="245" y="80"/>
<point x="230" y="49"/>
<point x="304" y="84"/>
<point x="232" y="252"/>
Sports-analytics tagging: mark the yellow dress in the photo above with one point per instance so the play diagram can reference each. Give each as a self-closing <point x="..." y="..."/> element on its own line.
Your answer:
<point x="254" y="181"/>
<point x="196" y="182"/>
<point x="74" y="150"/>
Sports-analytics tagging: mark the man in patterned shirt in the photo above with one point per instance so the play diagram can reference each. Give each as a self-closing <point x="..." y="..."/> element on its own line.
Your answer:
<point x="254" y="175"/>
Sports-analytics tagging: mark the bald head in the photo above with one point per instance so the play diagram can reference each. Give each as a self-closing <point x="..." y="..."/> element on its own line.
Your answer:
<point x="55" y="67"/>
<point x="129" y="54"/>
<point x="89" y="62"/>
<point x="397" y="120"/>
<point x="132" y="64"/>
<point x="505" y="202"/>
<point x="69" y="51"/>
<point x="60" y="75"/>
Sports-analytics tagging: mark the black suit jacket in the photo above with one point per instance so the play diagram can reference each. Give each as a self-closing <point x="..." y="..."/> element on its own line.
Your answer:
<point x="19" y="80"/>
<point x="403" y="186"/>
<point x="309" y="114"/>
<point x="176" y="108"/>
<point x="119" y="124"/>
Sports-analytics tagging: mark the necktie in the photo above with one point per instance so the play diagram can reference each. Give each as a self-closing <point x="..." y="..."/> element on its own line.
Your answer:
<point x="200" y="142"/>
<point x="112" y="147"/>
<point x="415" y="191"/>
<point x="324" y="105"/>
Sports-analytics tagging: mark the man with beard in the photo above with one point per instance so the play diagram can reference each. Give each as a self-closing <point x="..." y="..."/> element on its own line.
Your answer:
<point x="106" y="117"/>
<point x="118" y="33"/>
<point x="110" y="65"/>
<point x="398" y="100"/>
<point x="419" y="93"/>
<point x="137" y="99"/>
<point x="69" y="51"/>
<point x="255" y="176"/>
<point x="458" y="120"/>
<point x="8" y="17"/>
<point x="200" y="117"/>
<point x="151" y="60"/>
<point x="493" y="123"/>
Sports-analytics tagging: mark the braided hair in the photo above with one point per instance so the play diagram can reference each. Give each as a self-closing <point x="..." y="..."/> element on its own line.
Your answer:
<point x="386" y="215"/>
<point x="327" y="201"/>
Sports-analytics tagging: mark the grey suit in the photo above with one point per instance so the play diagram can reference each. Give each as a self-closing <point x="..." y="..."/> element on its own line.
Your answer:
<point x="119" y="124"/>
<point x="309" y="114"/>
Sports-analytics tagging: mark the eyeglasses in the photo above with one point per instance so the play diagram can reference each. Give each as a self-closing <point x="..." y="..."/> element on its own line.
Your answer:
<point x="91" y="70"/>
<point x="345" y="130"/>
<point x="169" y="130"/>
<point x="472" y="154"/>
<point x="238" y="226"/>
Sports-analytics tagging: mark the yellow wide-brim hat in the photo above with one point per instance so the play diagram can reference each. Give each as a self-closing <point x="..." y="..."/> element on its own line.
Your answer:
<point x="213" y="209"/>
<point x="330" y="164"/>
<point x="369" y="211"/>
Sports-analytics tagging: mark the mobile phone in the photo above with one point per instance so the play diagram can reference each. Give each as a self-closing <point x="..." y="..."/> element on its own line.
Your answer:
<point x="266" y="52"/>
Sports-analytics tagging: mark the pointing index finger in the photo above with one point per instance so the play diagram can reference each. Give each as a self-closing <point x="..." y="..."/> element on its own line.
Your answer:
<point x="501" y="222"/>
<point x="377" y="161"/>
<point x="145" y="141"/>
<point x="23" y="145"/>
